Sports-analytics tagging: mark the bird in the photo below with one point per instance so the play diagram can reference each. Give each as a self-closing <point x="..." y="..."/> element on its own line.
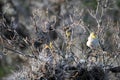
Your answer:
<point x="49" y="46"/>
<point x="93" y="41"/>
<point x="67" y="32"/>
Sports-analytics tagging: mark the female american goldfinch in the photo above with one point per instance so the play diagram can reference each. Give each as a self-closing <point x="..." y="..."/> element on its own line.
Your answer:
<point x="93" y="41"/>
<point x="67" y="32"/>
<point x="49" y="46"/>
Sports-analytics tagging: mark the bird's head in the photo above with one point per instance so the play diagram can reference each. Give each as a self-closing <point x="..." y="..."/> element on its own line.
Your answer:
<point x="93" y="35"/>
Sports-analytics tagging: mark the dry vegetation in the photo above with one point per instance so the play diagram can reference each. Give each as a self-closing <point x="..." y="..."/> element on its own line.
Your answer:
<point x="46" y="39"/>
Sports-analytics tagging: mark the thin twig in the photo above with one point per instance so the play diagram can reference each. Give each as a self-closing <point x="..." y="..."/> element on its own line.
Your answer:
<point x="21" y="53"/>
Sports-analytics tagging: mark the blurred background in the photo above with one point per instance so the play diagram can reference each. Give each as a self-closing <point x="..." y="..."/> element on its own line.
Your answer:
<point x="46" y="39"/>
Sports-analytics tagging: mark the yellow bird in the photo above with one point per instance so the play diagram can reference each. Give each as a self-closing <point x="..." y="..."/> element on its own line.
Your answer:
<point x="68" y="33"/>
<point x="49" y="46"/>
<point x="93" y="41"/>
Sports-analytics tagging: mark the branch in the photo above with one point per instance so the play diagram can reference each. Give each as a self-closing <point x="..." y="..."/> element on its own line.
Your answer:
<point x="115" y="69"/>
<point x="21" y="53"/>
